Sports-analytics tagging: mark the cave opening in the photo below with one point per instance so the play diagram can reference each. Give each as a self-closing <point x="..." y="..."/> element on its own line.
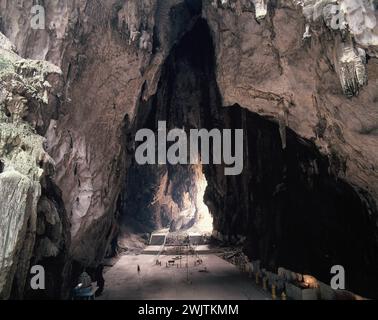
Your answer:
<point x="75" y="200"/>
<point x="287" y="209"/>
<point x="161" y="196"/>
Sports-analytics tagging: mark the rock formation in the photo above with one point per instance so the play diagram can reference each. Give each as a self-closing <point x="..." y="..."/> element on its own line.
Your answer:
<point x="26" y="170"/>
<point x="308" y="103"/>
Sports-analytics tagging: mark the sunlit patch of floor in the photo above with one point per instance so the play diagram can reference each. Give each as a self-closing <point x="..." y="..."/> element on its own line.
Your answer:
<point x="215" y="279"/>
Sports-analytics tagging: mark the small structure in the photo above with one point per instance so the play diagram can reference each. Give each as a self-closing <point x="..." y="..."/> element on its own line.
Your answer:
<point x="84" y="289"/>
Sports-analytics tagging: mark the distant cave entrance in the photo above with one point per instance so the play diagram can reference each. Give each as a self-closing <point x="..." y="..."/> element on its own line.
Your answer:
<point x="172" y="196"/>
<point x="286" y="209"/>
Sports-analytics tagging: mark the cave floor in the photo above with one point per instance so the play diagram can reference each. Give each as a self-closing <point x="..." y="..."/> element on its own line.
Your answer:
<point x="222" y="281"/>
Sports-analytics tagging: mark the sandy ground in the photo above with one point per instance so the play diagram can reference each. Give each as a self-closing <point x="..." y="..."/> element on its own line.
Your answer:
<point x="222" y="281"/>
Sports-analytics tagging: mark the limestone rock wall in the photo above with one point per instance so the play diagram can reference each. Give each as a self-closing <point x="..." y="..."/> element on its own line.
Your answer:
<point x="268" y="68"/>
<point x="322" y="85"/>
<point x="110" y="57"/>
<point x="24" y="90"/>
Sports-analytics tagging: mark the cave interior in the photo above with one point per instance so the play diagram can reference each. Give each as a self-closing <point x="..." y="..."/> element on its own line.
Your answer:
<point x="288" y="208"/>
<point x="288" y="205"/>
